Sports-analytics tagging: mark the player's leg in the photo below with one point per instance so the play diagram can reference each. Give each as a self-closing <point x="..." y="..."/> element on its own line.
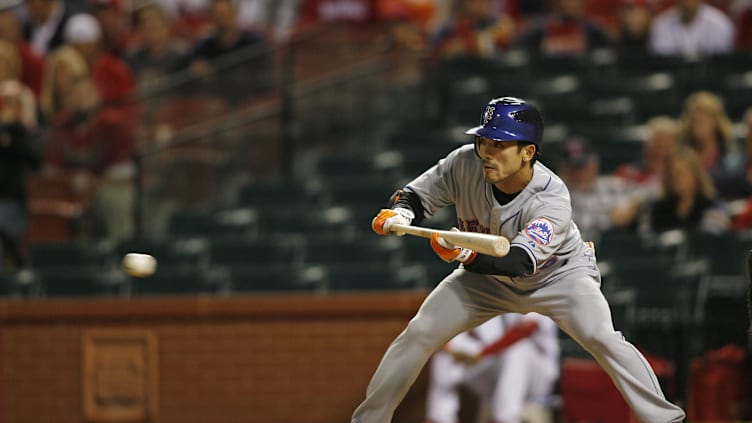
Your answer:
<point x="578" y="306"/>
<point x="442" y="398"/>
<point x="448" y="310"/>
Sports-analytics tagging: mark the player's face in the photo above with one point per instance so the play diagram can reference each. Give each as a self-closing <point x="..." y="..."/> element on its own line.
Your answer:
<point x="503" y="161"/>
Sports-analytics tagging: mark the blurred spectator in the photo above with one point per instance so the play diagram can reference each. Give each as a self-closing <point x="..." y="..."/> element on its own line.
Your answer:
<point x="19" y="155"/>
<point x="736" y="184"/>
<point x="328" y="11"/>
<point x="692" y="27"/>
<point x="473" y="30"/>
<point x="31" y="63"/>
<point x="707" y="129"/>
<point x="274" y="18"/>
<point x="599" y="202"/>
<point x="509" y="361"/>
<point x="159" y="53"/>
<point x="44" y="24"/>
<point x="63" y="67"/>
<point x="741" y="11"/>
<point x="189" y="17"/>
<point x="96" y="142"/>
<point x="115" y="19"/>
<point x="112" y="76"/>
<point x="661" y="140"/>
<point x="689" y="200"/>
<point x="246" y="75"/>
<point x="407" y="24"/>
<point x="633" y="21"/>
<point x="564" y="31"/>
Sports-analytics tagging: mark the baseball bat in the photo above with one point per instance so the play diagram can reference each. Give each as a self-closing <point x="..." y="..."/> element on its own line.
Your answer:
<point x="492" y="245"/>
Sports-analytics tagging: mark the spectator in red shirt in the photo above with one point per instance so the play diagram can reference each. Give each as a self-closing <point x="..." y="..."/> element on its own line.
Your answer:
<point x="32" y="64"/>
<point x="110" y="73"/>
<point x="96" y="142"/>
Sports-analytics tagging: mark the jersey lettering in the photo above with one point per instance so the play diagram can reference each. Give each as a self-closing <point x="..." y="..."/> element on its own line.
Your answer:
<point x="473" y="226"/>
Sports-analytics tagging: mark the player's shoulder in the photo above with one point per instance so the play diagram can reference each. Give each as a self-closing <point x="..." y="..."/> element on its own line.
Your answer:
<point x="546" y="180"/>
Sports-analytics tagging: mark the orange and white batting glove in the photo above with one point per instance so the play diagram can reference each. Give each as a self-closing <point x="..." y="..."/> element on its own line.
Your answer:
<point x="387" y="217"/>
<point x="449" y="252"/>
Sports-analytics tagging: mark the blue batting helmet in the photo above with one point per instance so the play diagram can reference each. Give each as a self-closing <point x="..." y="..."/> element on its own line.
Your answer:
<point x="510" y="119"/>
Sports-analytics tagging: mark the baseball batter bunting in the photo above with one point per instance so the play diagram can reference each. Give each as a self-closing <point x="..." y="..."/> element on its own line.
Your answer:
<point x="499" y="186"/>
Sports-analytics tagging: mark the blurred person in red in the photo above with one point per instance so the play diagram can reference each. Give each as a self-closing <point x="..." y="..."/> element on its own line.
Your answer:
<point x="19" y="156"/>
<point x="96" y="142"/>
<point x="661" y="139"/>
<point x="159" y="53"/>
<point x="691" y="27"/>
<point x="510" y="362"/>
<point x="250" y="76"/>
<point x="741" y="13"/>
<point x="62" y="67"/>
<point x="344" y="11"/>
<point x="564" y="31"/>
<point x="115" y="20"/>
<point x="44" y="23"/>
<point x="110" y="73"/>
<point x="689" y="200"/>
<point x="474" y="29"/>
<point x="32" y="64"/>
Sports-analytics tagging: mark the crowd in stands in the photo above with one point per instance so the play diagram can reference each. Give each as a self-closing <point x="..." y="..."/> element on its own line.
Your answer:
<point x="73" y="72"/>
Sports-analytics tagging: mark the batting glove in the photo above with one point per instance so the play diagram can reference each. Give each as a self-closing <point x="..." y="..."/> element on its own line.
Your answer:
<point x="387" y="217"/>
<point x="449" y="252"/>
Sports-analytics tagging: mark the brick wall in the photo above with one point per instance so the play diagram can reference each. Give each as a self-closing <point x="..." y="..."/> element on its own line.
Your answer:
<point x="283" y="359"/>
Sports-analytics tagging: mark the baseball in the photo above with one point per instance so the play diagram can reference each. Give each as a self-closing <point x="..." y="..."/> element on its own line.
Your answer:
<point x="139" y="265"/>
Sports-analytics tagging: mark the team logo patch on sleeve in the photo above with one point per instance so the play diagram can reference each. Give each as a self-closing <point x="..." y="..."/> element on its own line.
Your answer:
<point x="541" y="231"/>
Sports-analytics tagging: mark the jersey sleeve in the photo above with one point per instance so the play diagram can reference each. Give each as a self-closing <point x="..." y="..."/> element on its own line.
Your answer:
<point x="544" y="232"/>
<point x="437" y="186"/>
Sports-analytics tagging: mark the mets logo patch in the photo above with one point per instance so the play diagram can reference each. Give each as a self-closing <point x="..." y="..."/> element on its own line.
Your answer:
<point x="541" y="231"/>
<point x="488" y="114"/>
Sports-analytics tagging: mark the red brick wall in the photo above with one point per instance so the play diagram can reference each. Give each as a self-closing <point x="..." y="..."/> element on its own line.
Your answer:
<point x="298" y="359"/>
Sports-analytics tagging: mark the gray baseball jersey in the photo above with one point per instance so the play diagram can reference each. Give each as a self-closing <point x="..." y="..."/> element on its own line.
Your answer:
<point x="565" y="286"/>
<point x="538" y="220"/>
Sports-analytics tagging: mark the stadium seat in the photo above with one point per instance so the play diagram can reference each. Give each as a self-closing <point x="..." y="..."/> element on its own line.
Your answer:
<point x="726" y="252"/>
<point x="179" y="281"/>
<point x="79" y="254"/>
<point x="279" y="194"/>
<point x="287" y="250"/>
<point x="258" y="278"/>
<point x="365" y="249"/>
<point x="82" y="282"/>
<point x="374" y="277"/>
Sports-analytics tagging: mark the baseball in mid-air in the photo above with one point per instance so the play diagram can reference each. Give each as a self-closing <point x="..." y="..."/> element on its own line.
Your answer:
<point x="139" y="265"/>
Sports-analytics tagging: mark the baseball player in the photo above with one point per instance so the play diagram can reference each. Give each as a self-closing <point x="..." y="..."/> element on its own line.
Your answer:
<point x="508" y="362"/>
<point x="498" y="187"/>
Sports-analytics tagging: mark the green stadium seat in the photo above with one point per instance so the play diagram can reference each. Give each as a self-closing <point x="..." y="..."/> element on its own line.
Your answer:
<point x="263" y="278"/>
<point x="178" y="281"/>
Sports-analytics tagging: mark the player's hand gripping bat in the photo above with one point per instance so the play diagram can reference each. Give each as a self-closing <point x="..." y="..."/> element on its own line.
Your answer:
<point x="492" y="245"/>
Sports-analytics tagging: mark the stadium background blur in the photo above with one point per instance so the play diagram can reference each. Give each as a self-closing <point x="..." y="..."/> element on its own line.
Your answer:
<point x="248" y="156"/>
